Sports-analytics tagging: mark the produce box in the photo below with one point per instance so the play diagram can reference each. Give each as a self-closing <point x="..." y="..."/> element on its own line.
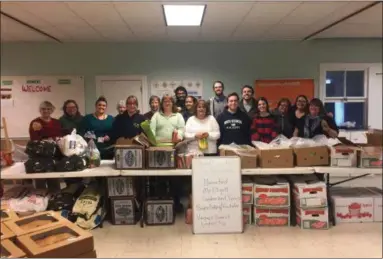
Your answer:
<point x="6" y="233"/>
<point x="378" y="209"/>
<point x="63" y="241"/>
<point x="7" y="214"/>
<point x="247" y="192"/>
<point x="246" y="153"/>
<point x="374" y="137"/>
<point x="271" y="216"/>
<point x="123" y="211"/>
<point x="271" y="192"/>
<point x="276" y="158"/>
<point x="160" y="158"/>
<point x="353" y="204"/>
<point x="159" y="212"/>
<point x="311" y="156"/>
<point x="35" y="222"/>
<point x="371" y="157"/>
<point x="247" y="213"/>
<point x="90" y="254"/>
<point x="308" y="191"/>
<point x="121" y="186"/>
<point x="313" y="218"/>
<point x="129" y="157"/>
<point x="10" y="250"/>
<point x="344" y="154"/>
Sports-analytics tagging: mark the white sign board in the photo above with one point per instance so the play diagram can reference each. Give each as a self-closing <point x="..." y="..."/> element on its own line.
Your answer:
<point x="194" y="87"/>
<point x="217" y="191"/>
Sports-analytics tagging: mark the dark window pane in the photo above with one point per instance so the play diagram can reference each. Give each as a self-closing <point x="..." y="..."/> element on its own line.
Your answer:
<point x="335" y="83"/>
<point x="354" y="83"/>
<point x="347" y="112"/>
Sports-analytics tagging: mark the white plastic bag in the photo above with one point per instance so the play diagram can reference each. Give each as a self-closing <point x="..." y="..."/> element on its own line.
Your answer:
<point x="72" y="144"/>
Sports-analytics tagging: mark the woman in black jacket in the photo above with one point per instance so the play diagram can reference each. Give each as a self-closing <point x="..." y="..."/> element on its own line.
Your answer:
<point x="283" y="118"/>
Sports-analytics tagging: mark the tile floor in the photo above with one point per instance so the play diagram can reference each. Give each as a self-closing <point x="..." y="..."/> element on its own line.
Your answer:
<point x="357" y="240"/>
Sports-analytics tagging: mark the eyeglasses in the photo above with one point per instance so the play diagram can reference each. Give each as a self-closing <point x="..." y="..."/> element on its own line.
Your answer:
<point x="301" y="101"/>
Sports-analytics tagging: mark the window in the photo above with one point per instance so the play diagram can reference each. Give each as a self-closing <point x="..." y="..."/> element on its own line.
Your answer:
<point x="344" y="93"/>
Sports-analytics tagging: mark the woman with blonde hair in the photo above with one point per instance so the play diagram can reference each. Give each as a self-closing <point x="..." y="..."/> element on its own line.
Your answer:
<point x="121" y="107"/>
<point x="45" y="127"/>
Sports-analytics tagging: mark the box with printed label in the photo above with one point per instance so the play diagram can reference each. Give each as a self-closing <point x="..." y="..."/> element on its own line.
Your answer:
<point x="352" y="204"/>
<point x="311" y="156"/>
<point x="271" y="192"/>
<point x="312" y="218"/>
<point x="371" y="157"/>
<point x="7" y="214"/>
<point x="123" y="211"/>
<point x="378" y="209"/>
<point x="63" y="241"/>
<point x="121" y="186"/>
<point x="6" y="233"/>
<point x="271" y="216"/>
<point x="160" y="158"/>
<point x="10" y="250"/>
<point x="35" y="222"/>
<point x="344" y="156"/>
<point x="247" y="210"/>
<point x="247" y="154"/>
<point x="159" y="212"/>
<point x="247" y="192"/>
<point x="309" y="191"/>
<point x="129" y="157"/>
<point x="276" y="158"/>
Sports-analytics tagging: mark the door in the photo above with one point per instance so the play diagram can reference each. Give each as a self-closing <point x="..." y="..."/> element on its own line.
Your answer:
<point x="117" y="90"/>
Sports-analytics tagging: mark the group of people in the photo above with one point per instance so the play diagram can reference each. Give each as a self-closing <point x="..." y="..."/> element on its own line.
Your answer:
<point x="219" y="120"/>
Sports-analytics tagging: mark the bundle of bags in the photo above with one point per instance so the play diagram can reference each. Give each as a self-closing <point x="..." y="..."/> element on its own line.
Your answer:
<point x="70" y="153"/>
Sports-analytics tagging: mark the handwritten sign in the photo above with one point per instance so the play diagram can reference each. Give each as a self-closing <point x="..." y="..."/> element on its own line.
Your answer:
<point x="217" y="203"/>
<point x="35" y="88"/>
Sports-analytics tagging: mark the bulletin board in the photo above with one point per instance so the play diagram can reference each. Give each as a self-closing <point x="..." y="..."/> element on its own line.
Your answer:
<point x="194" y="87"/>
<point x="21" y="97"/>
<point x="275" y="89"/>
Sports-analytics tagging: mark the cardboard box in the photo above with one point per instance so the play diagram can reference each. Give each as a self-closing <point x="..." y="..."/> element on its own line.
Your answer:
<point x="121" y="186"/>
<point x="129" y="157"/>
<point x="309" y="192"/>
<point x="123" y="211"/>
<point x="272" y="216"/>
<point x="311" y="156"/>
<point x="160" y="158"/>
<point x="247" y="210"/>
<point x="344" y="155"/>
<point x="271" y="192"/>
<point x="352" y="204"/>
<point x="276" y="158"/>
<point x="247" y="192"/>
<point x="7" y="214"/>
<point x="10" y="250"/>
<point x="63" y="241"/>
<point x="248" y="156"/>
<point x="159" y="212"/>
<point x="6" y="233"/>
<point x="371" y="157"/>
<point x="90" y="254"/>
<point x="374" y="137"/>
<point x="378" y="209"/>
<point x="313" y="218"/>
<point x="35" y="222"/>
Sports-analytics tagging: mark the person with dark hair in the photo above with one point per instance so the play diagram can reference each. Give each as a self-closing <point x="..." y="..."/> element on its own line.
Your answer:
<point x="263" y="127"/>
<point x="202" y="127"/>
<point x="128" y="124"/>
<point x="316" y="122"/>
<point x="71" y="119"/>
<point x="45" y="127"/>
<point x="190" y="103"/>
<point x="283" y="118"/>
<point x="98" y="126"/>
<point x="300" y="108"/>
<point x="234" y="124"/>
<point x="218" y="102"/>
<point x="248" y="104"/>
<point x="154" y="103"/>
<point x="180" y="95"/>
<point x="168" y="125"/>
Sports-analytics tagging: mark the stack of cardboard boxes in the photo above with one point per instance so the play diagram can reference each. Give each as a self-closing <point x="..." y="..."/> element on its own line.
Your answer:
<point x="310" y="198"/>
<point x="271" y="201"/>
<point x="121" y="192"/>
<point x="247" y="200"/>
<point x="45" y="234"/>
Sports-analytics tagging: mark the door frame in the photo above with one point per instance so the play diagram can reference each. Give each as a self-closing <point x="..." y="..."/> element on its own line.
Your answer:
<point x="144" y="86"/>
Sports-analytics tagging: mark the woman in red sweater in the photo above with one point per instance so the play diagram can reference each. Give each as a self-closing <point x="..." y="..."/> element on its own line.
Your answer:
<point x="263" y="127"/>
<point x="45" y="127"/>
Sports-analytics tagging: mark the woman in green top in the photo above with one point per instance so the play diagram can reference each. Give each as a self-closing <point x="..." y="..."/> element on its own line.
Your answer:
<point x="98" y="126"/>
<point x="71" y="118"/>
<point x="167" y="124"/>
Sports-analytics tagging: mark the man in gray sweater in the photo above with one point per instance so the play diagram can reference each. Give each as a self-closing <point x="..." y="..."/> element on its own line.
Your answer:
<point x="218" y="103"/>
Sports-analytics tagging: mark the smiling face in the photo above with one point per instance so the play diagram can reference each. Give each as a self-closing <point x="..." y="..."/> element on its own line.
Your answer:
<point x="167" y="104"/>
<point x="189" y="103"/>
<point x="314" y="110"/>
<point x="101" y="107"/>
<point x="301" y="103"/>
<point x="155" y="104"/>
<point x="201" y="110"/>
<point x="232" y="103"/>
<point x="121" y="109"/>
<point x="247" y="93"/>
<point x="218" y="88"/>
<point x="131" y="106"/>
<point x="181" y="95"/>
<point x="283" y="107"/>
<point x="46" y="112"/>
<point x="71" y="109"/>
<point x="262" y="106"/>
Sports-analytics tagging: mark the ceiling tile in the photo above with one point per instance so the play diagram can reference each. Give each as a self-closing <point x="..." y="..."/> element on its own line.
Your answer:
<point x="370" y="16"/>
<point x="114" y="32"/>
<point x="146" y="14"/>
<point x="353" y="31"/>
<point x="269" y="12"/>
<point x="226" y="13"/>
<point x="145" y="31"/>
